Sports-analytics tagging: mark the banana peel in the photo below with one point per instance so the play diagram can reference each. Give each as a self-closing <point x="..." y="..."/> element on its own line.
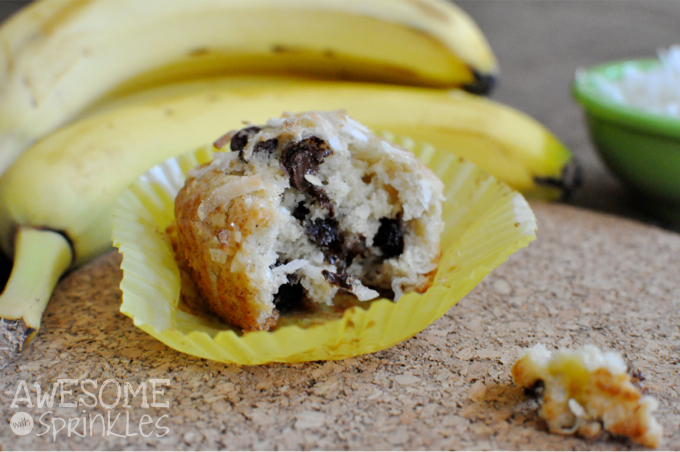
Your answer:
<point x="63" y="56"/>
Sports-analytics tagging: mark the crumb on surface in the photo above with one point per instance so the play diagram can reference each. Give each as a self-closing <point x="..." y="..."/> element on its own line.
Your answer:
<point x="587" y="390"/>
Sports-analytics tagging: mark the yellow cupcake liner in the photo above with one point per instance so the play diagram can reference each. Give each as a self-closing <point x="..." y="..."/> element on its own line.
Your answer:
<point x="486" y="221"/>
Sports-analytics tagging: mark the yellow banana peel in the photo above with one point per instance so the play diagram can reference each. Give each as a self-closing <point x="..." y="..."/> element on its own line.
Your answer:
<point x="60" y="57"/>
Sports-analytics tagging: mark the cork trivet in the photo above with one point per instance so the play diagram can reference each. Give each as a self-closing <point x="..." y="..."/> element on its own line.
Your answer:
<point x="589" y="278"/>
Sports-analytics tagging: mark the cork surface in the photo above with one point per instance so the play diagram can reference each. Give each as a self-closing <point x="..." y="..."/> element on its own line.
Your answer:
<point x="589" y="278"/>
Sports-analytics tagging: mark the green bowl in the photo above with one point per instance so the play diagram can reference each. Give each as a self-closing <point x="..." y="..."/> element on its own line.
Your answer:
<point x="641" y="148"/>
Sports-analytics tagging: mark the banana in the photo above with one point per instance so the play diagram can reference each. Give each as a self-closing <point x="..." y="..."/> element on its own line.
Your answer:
<point x="60" y="57"/>
<point x="65" y="185"/>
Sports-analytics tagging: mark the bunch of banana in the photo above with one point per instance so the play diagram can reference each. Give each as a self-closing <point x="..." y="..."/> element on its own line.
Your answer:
<point x="60" y="57"/>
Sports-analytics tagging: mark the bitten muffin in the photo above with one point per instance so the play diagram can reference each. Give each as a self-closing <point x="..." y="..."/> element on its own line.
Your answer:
<point x="303" y="207"/>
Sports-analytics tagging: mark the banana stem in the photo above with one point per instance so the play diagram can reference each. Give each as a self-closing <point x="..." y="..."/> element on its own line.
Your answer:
<point x="41" y="257"/>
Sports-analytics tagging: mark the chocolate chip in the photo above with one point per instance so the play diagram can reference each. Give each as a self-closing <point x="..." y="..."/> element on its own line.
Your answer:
<point x="338" y="249"/>
<point x="536" y="390"/>
<point x="302" y="158"/>
<point x="241" y="138"/>
<point x="301" y="211"/>
<point x="335" y="279"/>
<point x="323" y="200"/>
<point x="389" y="238"/>
<point x="324" y="232"/>
<point x="268" y="146"/>
<point x="290" y="296"/>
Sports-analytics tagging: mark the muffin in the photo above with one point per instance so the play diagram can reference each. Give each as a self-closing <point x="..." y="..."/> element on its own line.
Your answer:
<point x="302" y="208"/>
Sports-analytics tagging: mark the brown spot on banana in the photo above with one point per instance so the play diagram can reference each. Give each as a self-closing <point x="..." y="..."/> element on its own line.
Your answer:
<point x="201" y="51"/>
<point x="283" y="49"/>
<point x="431" y="10"/>
<point x="62" y="15"/>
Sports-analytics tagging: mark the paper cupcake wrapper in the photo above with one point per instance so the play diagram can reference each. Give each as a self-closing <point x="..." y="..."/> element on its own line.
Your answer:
<point x="486" y="221"/>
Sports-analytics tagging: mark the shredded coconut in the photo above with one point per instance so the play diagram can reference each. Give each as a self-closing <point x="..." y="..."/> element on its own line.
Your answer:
<point x="656" y="90"/>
